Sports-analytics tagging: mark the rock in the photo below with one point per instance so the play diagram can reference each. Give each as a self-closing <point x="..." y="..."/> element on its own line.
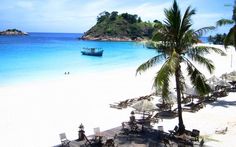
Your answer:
<point x="13" y="32"/>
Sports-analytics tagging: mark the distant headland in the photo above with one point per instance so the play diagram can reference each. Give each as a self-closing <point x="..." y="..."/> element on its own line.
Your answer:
<point x="13" y="32"/>
<point x="119" y="27"/>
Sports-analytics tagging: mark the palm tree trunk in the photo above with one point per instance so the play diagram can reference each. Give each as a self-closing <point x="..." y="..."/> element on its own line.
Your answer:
<point x="181" y="123"/>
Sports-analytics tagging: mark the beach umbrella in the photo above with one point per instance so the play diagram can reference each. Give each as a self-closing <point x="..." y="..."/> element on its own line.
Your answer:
<point x="213" y="79"/>
<point x="224" y="76"/>
<point x="190" y="91"/>
<point x="231" y="78"/>
<point x="233" y="73"/>
<point x="172" y="97"/>
<point x="212" y="86"/>
<point x="144" y="106"/>
<point x="222" y="83"/>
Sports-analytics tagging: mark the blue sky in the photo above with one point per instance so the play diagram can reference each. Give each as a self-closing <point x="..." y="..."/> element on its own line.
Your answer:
<point x="79" y="15"/>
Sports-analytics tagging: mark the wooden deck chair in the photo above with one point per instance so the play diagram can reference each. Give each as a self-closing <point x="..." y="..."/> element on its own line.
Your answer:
<point x="64" y="141"/>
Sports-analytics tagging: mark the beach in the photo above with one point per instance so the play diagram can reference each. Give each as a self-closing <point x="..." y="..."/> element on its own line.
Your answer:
<point x="35" y="113"/>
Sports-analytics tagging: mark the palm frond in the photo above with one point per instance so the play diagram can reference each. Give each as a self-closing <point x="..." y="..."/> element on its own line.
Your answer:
<point x="204" y="61"/>
<point x="203" y="30"/>
<point x="150" y="63"/>
<point x="223" y="22"/>
<point x="162" y="77"/>
<point x="188" y="39"/>
<point x="203" y="50"/>
<point x="173" y="19"/>
<point x="186" y="21"/>
<point x="150" y="44"/>
<point x="197" y="79"/>
<point x="161" y="81"/>
<point x="174" y="61"/>
<point x="158" y="25"/>
<point x="159" y="36"/>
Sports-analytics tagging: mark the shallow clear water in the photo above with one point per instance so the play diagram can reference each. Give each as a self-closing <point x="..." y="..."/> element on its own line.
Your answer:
<point x="49" y="55"/>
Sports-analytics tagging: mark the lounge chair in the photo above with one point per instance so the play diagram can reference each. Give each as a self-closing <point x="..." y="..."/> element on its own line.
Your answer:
<point x="64" y="141"/>
<point x="195" y="134"/>
<point x="109" y="143"/>
<point x="221" y="131"/>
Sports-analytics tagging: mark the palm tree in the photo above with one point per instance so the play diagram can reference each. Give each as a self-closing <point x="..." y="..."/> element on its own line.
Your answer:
<point x="231" y="36"/>
<point x="174" y="42"/>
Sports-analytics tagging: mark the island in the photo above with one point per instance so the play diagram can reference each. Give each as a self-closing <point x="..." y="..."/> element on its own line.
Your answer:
<point x="119" y="27"/>
<point x="13" y="32"/>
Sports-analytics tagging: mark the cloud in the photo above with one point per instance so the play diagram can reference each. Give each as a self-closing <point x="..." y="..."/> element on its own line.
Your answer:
<point x="74" y="14"/>
<point x="147" y="11"/>
<point x="25" y="5"/>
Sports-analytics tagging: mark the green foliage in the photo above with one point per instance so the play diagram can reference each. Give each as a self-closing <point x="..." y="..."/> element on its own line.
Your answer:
<point x="175" y="39"/>
<point x="218" y="39"/>
<point x="13" y="30"/>
<point x="230" y="38"/>
<point x="120" y="26"/>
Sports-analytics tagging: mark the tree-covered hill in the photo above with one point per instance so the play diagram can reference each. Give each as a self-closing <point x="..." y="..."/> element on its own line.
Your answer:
<point x="13" y="32"/>
<point x="119" y="27"/>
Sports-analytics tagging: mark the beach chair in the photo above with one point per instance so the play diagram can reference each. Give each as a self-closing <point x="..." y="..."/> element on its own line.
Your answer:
<point x="221" y="131"/>
<point x="64" y="141"/>
<point x="160" y="128"/>
<point x="195" y="134"/>
<point x="175" y="131"/>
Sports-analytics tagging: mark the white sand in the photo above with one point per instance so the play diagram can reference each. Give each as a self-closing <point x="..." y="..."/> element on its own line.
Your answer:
<point x="33" y="114"/>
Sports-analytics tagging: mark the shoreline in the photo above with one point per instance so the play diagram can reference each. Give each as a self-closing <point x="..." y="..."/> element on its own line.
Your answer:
<point x="44" y="109"/>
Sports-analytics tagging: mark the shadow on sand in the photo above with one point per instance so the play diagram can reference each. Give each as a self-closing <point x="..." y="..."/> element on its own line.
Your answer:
<point x="223" y="103"/>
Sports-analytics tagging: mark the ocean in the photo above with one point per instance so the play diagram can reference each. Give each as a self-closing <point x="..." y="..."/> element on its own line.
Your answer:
<point x="41" y="56"/>
<point x="49" y="55"/>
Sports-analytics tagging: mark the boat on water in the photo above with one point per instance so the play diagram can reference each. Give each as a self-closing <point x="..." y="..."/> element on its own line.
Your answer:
<point x="92" y="51"/>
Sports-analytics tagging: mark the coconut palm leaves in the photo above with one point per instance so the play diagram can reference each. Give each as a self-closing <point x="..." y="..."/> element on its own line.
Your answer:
<point x="231" y="36"/>
<point x="175" y="41"/>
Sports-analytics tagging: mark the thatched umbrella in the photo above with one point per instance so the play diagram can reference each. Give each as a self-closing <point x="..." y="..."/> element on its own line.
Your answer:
<point x="222" y="83"/>
<point x="233" y="73"/>
<point x="213" y="79"/>
<point x="190" y="91"/>
<point x="144" y="106"/>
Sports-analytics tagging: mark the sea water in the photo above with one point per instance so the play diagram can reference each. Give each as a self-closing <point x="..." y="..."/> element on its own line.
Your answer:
<point x="50" y="55"/>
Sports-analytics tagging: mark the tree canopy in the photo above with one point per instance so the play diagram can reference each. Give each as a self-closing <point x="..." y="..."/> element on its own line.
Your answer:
<point x="123" y="25"/>
<point x="175" y="41"/>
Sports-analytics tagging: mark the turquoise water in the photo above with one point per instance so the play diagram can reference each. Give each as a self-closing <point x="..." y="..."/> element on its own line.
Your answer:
<point x="49" y="55"/>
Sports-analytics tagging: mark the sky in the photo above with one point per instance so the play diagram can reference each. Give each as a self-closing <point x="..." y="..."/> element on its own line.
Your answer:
<point x="77" y="16"/>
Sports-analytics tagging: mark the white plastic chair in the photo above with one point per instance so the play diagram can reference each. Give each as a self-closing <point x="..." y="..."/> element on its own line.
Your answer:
<point x="64" y="141"/>
<point x="97" y="131"/>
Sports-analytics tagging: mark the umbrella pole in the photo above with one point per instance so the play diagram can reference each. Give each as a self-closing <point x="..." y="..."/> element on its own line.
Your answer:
<point x="143" y="120"/>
